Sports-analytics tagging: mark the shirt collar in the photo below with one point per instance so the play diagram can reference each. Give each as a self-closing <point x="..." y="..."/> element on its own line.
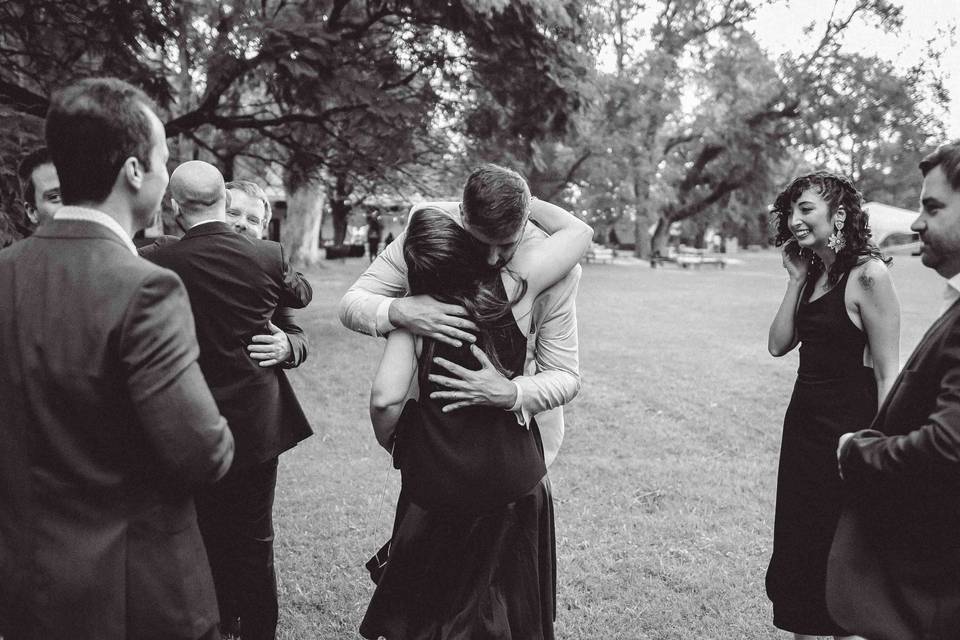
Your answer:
<point x="97" y="217"/>
<point x="194" y="226"/>
<point x="954" y="283"/>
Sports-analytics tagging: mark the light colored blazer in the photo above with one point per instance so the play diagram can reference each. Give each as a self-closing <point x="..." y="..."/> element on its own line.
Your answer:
<point x="552" y="369"/>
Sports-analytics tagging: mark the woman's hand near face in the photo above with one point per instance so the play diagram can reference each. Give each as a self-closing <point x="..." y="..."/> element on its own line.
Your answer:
<point x="793" y="262"/>
<point x="783" y="331"/>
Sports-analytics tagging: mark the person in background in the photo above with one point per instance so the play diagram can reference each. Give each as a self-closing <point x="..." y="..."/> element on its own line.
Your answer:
<point x="39" y="186"/>
<point x="841" y="308"/>
<point x="374" y="229"/>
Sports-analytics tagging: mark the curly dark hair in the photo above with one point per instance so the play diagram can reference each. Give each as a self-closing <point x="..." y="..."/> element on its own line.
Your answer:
<point x="837" y="191"/>
<point x="446" y="262"/>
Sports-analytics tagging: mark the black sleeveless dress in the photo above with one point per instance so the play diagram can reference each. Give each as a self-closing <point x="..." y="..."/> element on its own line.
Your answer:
<point x="834" y="394"/>
<point x="473" y="553"/>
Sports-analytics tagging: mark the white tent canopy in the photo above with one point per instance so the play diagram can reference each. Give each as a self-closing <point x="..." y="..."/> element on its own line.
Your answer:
<point x="890" y="225"/>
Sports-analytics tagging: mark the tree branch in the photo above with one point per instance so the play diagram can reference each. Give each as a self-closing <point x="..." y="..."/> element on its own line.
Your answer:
<point x="23" y="100"/>
<point x="197" y="118"/>
<point x="568" y="178"/>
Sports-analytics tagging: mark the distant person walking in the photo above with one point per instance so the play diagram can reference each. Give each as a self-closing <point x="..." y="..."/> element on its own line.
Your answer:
<point x="374" y="229"/>
<point x="841" y="308"/>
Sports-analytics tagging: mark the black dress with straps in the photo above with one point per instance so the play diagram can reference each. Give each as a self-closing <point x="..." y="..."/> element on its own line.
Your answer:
<point x="472" y="554"/>
<point x="834" y="394"/>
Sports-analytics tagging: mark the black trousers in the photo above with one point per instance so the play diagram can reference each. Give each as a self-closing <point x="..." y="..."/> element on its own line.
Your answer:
<point x="236" y="521"/>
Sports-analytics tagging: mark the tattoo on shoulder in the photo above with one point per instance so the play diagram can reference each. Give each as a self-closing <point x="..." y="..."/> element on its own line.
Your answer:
<point x="866" y="281"/>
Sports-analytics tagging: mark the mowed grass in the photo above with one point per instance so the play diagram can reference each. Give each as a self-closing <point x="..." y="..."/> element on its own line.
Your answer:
<point x="665" y="484"/>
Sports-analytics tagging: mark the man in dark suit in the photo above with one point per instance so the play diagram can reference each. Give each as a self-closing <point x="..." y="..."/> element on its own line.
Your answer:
<point x="235" y="286"/>
<point x="286" y="345"/>
<point x="106" y="423"/>
<point x="894" y="570"/>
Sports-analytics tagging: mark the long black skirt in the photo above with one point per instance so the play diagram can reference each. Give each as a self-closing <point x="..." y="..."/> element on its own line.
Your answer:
<point x="809" y="497"/>
<point x="454" y="575"/>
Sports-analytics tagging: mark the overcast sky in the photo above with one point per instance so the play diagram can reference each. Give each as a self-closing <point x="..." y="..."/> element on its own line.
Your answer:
<point x="780" y="26"/>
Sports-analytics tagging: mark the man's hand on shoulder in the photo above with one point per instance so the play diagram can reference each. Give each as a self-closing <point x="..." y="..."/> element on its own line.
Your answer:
<point x="425" y="316"/>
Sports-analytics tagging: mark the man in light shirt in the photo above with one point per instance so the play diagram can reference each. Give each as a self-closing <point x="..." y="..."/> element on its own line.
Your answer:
<point x="108" y="426"/>
<point x="494" y="198"/>
<point x="894" y="570"/>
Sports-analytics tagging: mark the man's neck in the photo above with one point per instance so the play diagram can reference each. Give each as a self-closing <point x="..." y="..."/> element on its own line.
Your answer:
<point x="121" y="214"/>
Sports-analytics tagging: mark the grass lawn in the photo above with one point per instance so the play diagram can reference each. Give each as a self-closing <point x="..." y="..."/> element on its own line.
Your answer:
<point x="665" y="484"/>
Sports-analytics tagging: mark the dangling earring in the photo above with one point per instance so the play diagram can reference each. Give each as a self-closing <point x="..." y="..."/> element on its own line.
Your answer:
<point x="836" y="241"/>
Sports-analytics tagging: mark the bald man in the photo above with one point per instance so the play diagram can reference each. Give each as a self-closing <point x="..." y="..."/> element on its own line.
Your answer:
<point x="236" y="284"/>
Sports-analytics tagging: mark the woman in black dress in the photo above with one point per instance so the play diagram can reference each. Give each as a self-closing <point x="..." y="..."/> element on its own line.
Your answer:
<point x="841" y="308"/>
<point x="472" y="552"/>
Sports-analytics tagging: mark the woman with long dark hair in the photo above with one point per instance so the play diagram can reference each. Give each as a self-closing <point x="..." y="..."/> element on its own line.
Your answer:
<point x="841" y="308"/>
<point x="472" y="552"/>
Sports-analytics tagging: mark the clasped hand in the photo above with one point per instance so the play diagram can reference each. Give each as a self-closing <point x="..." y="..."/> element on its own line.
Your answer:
<point x="270" y="349"/>
<point x="483" y="387"/>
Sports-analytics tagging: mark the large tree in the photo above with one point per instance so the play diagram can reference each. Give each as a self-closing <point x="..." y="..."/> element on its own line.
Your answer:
<point x="340" y="92"/>
<point x="700" y="121"/>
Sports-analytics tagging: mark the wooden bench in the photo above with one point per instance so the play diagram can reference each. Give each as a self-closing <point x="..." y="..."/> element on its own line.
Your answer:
<point x="599" y="253"/>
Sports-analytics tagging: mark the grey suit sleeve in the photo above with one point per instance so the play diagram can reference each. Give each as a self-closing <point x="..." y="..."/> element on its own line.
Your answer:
<point x="176" y="411"/>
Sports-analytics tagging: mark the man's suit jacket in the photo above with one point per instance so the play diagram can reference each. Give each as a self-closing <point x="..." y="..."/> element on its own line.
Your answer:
<point x="894" y="570"/>
<point x="551" y="375"/>
<point x="236" y="285"/>
<point x="283" y="317"/>
<point x="107" y="429"/>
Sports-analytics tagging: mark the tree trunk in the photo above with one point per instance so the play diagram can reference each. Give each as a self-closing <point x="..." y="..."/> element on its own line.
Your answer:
<point x="340" y="212"/>
<point x="661" y="236"/>
<point x="340" y="208"/>
<point x="300" y="232"/>
<point x="641" y="236"/>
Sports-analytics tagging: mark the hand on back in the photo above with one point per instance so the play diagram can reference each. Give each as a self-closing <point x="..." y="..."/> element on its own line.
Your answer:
<point x="430" y="318"/>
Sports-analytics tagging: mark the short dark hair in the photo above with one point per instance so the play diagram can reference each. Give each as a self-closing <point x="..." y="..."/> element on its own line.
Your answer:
<point x="946" y="156"/>
<point x="495" y="200"/>
<point x="93" y="126"/>
<point x="25" y="171"/>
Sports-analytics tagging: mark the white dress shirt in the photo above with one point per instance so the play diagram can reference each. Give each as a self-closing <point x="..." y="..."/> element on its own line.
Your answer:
<point x="951" y="293"/>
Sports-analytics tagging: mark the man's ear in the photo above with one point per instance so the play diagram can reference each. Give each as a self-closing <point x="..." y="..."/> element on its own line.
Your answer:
<point x="133" y="172"/>
<point x="32" y="214"/>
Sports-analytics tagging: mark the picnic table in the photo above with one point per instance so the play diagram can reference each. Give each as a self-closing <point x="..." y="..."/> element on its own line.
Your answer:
<point x="598" y="253"/>
<point x="686" y="256"/>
